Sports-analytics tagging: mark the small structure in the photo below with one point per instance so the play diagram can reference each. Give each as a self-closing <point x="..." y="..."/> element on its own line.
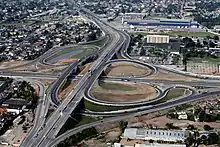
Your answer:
<point x="182" y="115"/>
<point x="157" y="39"/>
<point x="15" y="105"/>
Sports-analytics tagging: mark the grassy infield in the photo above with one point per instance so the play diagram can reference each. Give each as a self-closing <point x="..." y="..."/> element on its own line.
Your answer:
<point x="173" y="93"/>
<point x="80" y="120"/>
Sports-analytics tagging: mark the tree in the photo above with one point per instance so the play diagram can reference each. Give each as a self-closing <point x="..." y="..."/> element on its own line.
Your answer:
<point x="216" y="37"/>
<point x="205" y="42"/>
<point x="212" y="44"/>
<point x="169" y="125"/>
<point x="123" y="125"/>
<point x="191" y="127"/>
<point x="207" y="128"/>
<point x="142" y="52"/>
<point x="189" y="141"/>
<point x="213" y="138"/>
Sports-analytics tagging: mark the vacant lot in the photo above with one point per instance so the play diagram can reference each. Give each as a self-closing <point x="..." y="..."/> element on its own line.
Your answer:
<point x="85" y="68"/>
<point x="126" y="69"/>
<point x="122" y="92"/>
<point x="171" y="77"/>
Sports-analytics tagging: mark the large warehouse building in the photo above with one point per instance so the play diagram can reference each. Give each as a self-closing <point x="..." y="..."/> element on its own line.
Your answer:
<point x="150" y="134"/>
<point x="139" y="19"/>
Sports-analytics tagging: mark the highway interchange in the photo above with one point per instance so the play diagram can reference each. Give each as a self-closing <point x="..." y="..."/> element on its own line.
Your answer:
<point x="45" y="130"/>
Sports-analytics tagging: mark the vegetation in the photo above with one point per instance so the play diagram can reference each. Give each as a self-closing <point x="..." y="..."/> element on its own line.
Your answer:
<point x="99" y="43"/>
<point x="100" y="108"/>
<point x="123" y="125"/>
<point x="26" y="91"/>
<point x="171" y="126"/>
<point x="212" y="138"/>
<point x="82" y="54"/>
<point x="173" y="93"/>
<point x="73" y="140"/>
<point x="207" y="128"/>
<point x="115" y="86"/>
<point x="77" y="120"/>
<point x="158" y="52"/>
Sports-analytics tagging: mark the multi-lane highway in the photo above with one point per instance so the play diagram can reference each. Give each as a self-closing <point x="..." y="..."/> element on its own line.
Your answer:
<point x="138" y="112"/>
<point x="44" y="133"/>
<point x="62" y="113"/>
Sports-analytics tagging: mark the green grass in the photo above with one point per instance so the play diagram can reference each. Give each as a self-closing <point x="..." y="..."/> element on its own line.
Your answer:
<point x="77" y="120"/>
<point x="100" y="108"/>
<point x="181" y="33"/>
<point x="116" y="86"/>
<point x="173" y="93"/>
<point x="86" y="120"/>
<point x="64" y="51"/>
<point x="204" y="59"/>
<point x="82" y="54"/>
<point x="99" y="43"/>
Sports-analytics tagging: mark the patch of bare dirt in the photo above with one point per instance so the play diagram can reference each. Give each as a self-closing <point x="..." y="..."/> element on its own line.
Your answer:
<point x="126" y="69"/>
<point x="141" y="92"/>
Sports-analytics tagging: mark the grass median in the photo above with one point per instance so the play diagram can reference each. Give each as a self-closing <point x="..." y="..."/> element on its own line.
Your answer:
<point x="172" y="94"/>
<point x="101" y="108"/>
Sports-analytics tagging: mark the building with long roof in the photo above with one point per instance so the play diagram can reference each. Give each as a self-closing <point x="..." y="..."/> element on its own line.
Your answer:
<point x="157" y="135"/>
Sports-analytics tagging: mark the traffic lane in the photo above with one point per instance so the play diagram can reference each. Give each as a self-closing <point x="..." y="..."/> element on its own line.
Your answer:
<point x="118" y="118"/>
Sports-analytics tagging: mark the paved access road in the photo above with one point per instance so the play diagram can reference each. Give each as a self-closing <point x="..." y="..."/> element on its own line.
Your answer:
<point x="62" y="113"/>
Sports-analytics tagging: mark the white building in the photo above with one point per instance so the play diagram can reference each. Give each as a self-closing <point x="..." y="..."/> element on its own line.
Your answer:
<point x="158" y="39"/>
<point x="149" y="134"/>
<point x="182" y="115"/>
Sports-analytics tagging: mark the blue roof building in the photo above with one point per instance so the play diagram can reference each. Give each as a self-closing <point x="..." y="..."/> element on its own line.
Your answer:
<point x="168" y="22"/>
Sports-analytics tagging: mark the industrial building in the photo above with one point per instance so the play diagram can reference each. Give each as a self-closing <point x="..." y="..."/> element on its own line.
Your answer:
<point x="157" y="135"/>
<point x="138" y="19"/>
<point x="158" y="39"/>
<point x="150" y="145"/>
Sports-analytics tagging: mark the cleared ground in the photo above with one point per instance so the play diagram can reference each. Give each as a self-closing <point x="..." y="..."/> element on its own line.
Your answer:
<point x="126" y="69"/>
<point x="121" y="92"/>
<point x="85" y="68"/>
<point x="172" y="77"/>
<point x="8" y="64"/>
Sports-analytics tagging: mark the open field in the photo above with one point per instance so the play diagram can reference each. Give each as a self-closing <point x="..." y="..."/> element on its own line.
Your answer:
<point x="126" y="69"/>
<point x="99" y="43"/>
<point x="121" y="92"/>
<point x="70" y="53"/>
<point x="170" y="76"/>
<point x="82" y="54"/>
<point x="8" y="64"/>
<point x="205" y="59"/>
<point x="180" y="33"/>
